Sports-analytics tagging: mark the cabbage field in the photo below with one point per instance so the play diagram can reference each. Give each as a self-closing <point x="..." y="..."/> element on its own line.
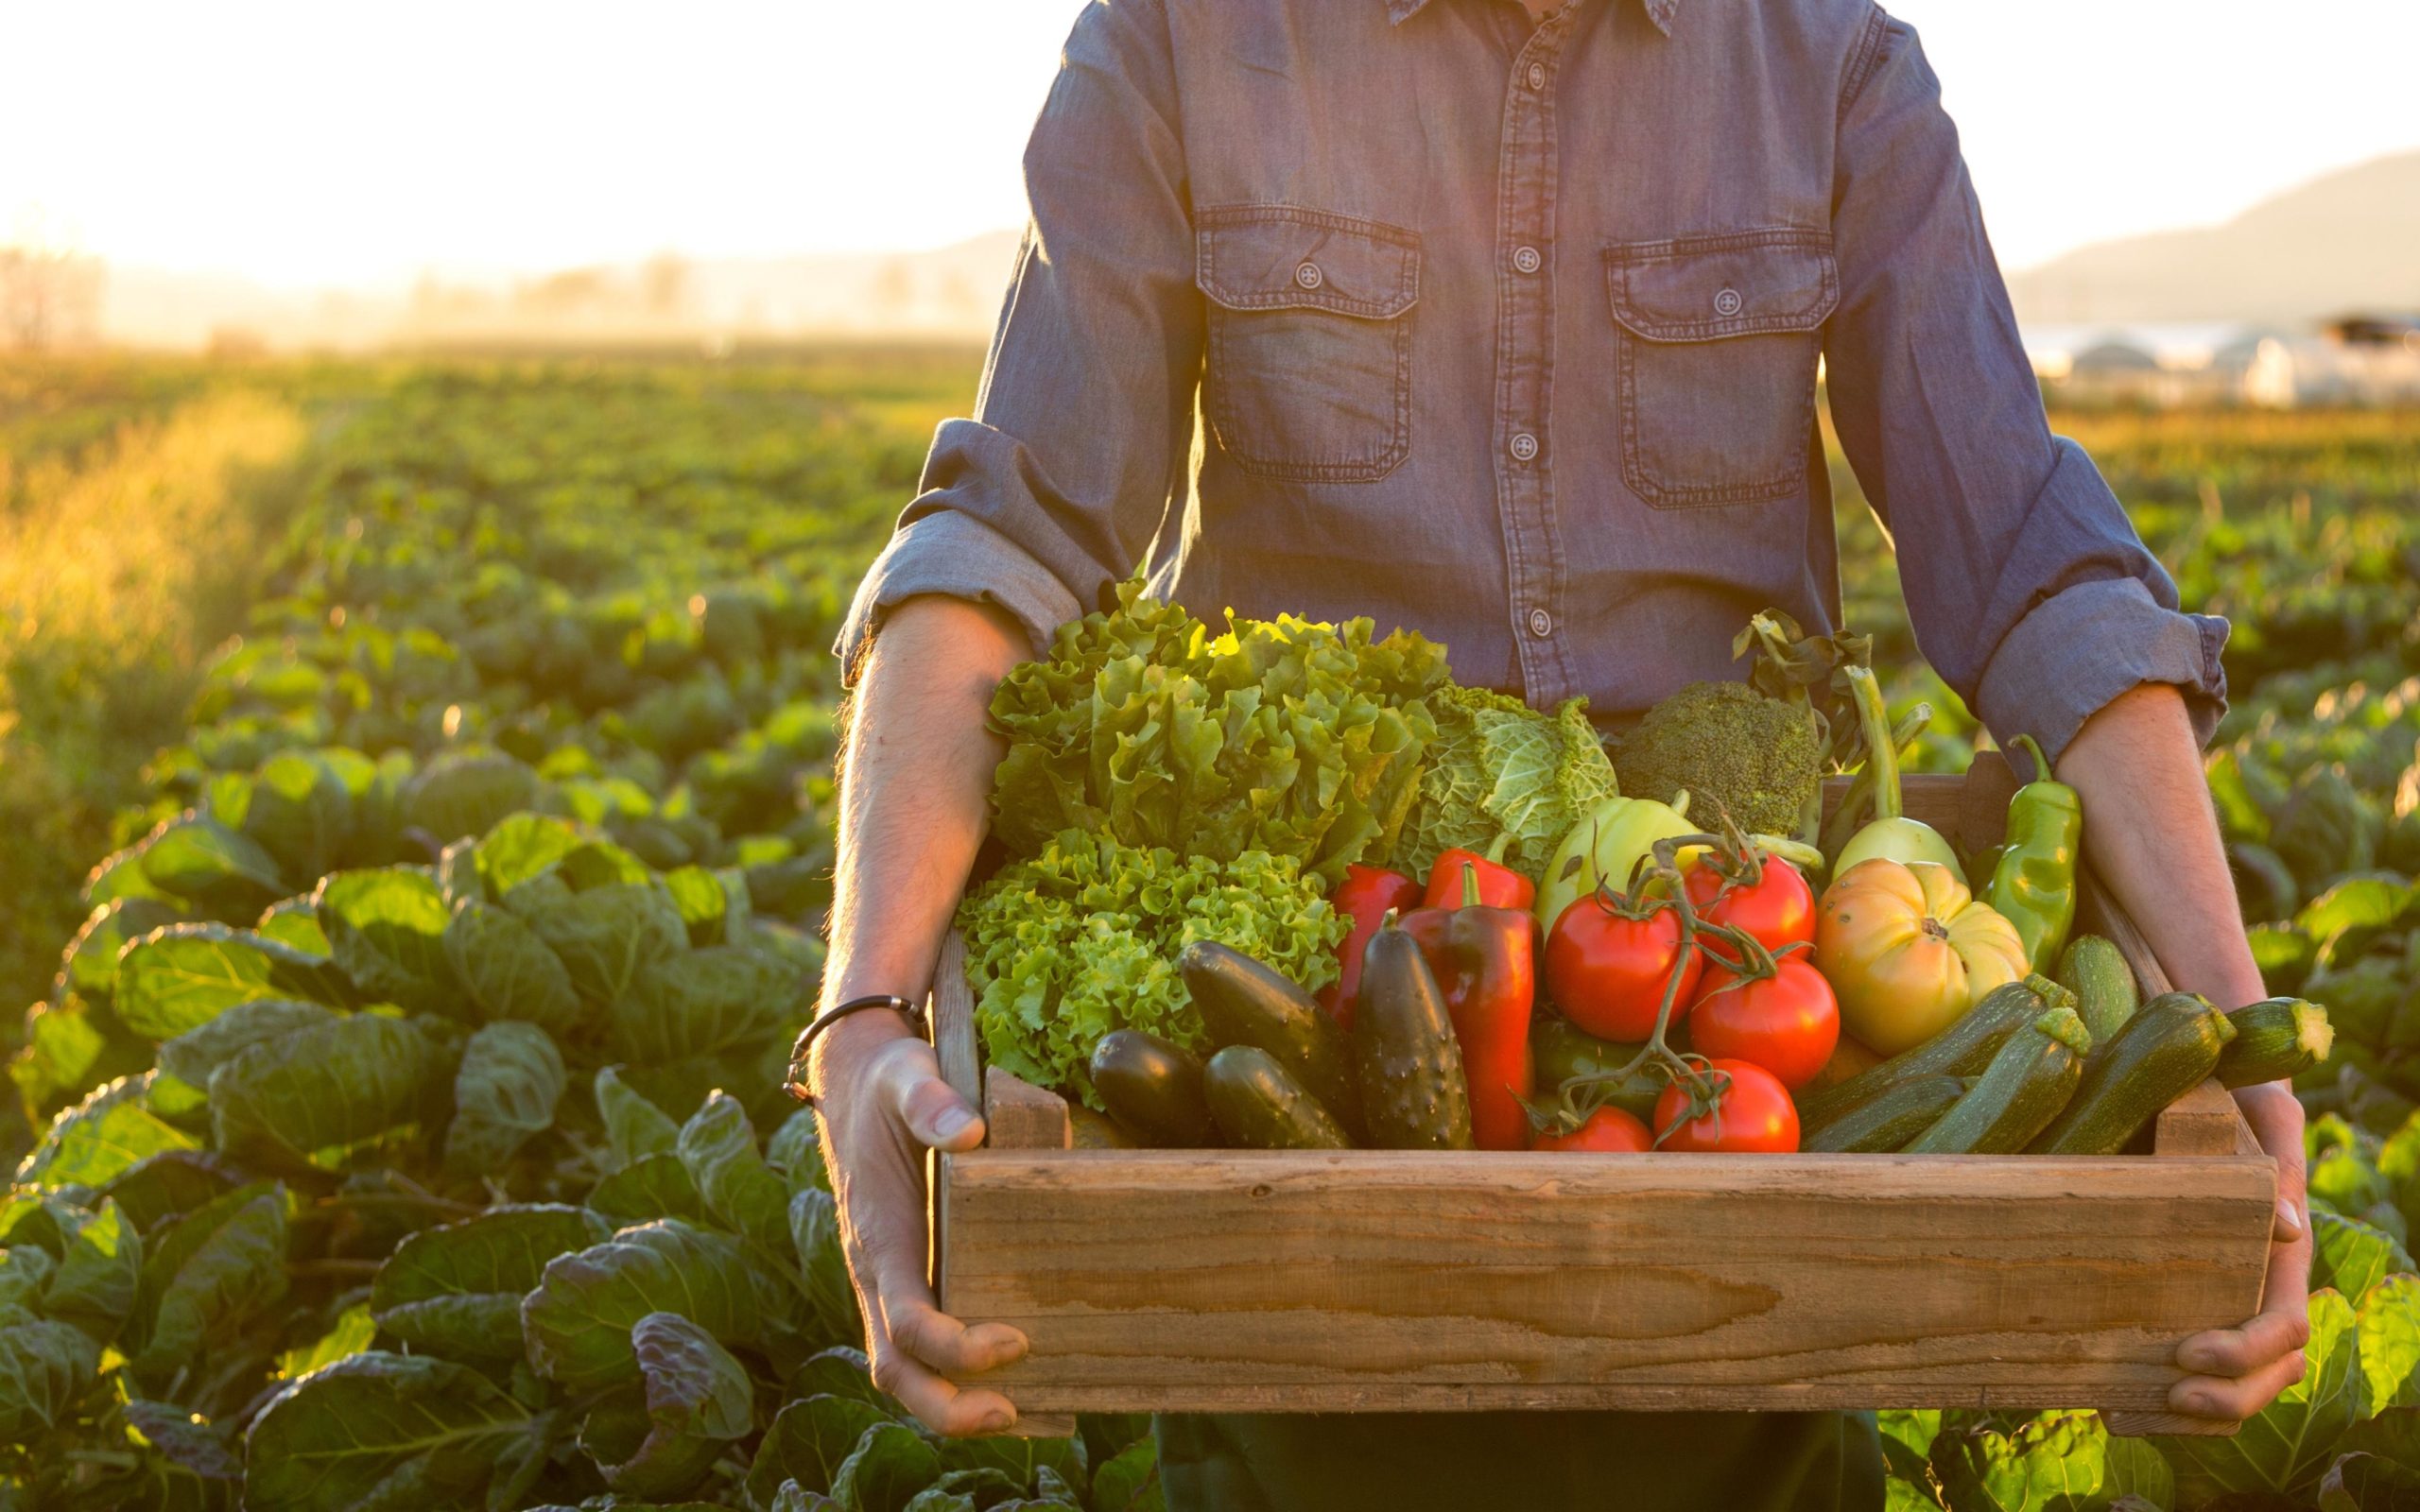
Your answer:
<point x="400" y="1128"/>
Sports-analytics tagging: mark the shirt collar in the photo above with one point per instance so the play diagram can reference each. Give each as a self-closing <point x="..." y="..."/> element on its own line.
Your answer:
<point x="1658" y="12"/>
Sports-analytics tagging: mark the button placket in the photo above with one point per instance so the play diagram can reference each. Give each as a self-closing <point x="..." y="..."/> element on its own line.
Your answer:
<point x="1526" y="168"/>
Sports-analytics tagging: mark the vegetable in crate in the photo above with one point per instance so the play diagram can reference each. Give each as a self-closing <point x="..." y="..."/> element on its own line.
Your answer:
<point x="2033" y="884"/>
<point x="1776" y="1013"/>
<point x="1464" y="879"/>
<point x="1907" y="949"/>
<point x="1152" y="1088"/>
<point x="2095" y="972"/>
<point x="1082" y="939"/>
<point x="1964" y="1049"/>
<point x="1611" y="961"/>
<point x="1243" y="1003"/>
<point x="1302" y="740"/>
<point x="1888" y="1120"/>
<point x="1730" y="748"/>
<point x="1751" y="890"/>
<point x="1483" y="963"/>
<point x="1501" y="779"/>
<point x="1605" y="847"/>
<point x="2164" y="1051"/>
<point x="1890" y="834"/>
<point x="2276" y="1040"/>
<point x="1752" y="1113"/>
<point x="2024" y="1087"/>
<point x="1607" y="1130"/>
<point x="1259" y="1105"/>
<point x="1365" y="897"/>
<point x="1414" y="1095"/>
<point x="1560" y="1051"/>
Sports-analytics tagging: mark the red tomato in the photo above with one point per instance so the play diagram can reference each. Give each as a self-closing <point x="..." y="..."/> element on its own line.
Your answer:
<point x="1608" y="974"/>
<point x="1756" y="1114"/>
<point x="1787" y="1023"/>
<point x="1775" y="910"/>
<point x="1607" y="1128"/>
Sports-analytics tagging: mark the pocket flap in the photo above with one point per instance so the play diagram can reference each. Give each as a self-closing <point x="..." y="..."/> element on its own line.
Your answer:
<point x="1699" y="289"/>
<point x="1276" y="257"/>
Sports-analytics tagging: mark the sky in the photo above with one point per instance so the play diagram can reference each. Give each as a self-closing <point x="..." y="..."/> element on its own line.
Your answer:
<point x="354" y="145"/>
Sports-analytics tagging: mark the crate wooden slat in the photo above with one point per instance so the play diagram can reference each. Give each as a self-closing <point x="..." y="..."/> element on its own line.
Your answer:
<point x="1223" y="1280"/>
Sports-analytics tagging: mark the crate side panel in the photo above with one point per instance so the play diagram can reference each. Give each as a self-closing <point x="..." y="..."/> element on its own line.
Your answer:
<point x="1354" y="1279"/>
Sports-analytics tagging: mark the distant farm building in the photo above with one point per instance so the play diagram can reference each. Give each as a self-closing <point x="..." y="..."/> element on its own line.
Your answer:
<point x="2358" y="359"/>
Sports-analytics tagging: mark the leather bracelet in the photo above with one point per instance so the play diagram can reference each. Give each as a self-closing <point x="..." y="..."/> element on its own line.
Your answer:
<point x="907" y="1008"/>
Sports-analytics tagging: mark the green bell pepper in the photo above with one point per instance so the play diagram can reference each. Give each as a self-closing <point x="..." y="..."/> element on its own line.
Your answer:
<point x="2033" y="886"/>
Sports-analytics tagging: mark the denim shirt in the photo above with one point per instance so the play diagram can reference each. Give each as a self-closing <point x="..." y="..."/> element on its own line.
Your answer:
<point x="1509" y="333"/>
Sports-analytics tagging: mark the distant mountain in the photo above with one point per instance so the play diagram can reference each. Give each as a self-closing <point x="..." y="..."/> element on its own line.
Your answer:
<point x="2347" y="241"/>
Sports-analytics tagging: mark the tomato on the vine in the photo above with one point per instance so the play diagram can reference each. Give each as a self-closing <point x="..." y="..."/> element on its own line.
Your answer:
<point x="1788" y="1023"/>
<point x="1776" y="910"/>
<point x="1754" y="1114"/>
<point x="1608" y="972"/>
<point x="1607" y="1128"/>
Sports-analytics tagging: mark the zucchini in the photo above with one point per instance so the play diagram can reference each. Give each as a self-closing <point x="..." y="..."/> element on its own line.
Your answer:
<point x="2019" y="1093"/>
<point x="1888" y="1121"/>
<point x="1259" y="1106"/>
<point x="1244" y="1003"/>
<point x="2095" y="971"/>
<point x="2275" y="1039"/>
<point x="1152" y="1088"/>
<point x="1964" y="1049"/>
<point x="1559" y="1052"/>
<point x="2166" y="1049"/>
<point x="1413" y="1093"/>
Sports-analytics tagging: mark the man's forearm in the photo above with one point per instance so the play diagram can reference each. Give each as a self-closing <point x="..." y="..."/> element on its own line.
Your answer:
<point x="2154" y="840"/>
<point x="915" y="776"/>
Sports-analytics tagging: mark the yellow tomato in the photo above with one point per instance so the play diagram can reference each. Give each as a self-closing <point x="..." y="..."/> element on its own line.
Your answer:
<point x="1907" y="951"/>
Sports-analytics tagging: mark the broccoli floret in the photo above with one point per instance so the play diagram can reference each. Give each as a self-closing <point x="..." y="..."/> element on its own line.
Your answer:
<point x="1725" y="742"/>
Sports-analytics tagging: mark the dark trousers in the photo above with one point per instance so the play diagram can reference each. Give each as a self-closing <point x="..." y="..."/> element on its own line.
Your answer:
<point x="1529" y="1461"/>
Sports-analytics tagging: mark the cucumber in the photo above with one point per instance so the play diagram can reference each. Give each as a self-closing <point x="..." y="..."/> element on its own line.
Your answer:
<point x="1888" y="1121"/>
<point x="1413" y="1095"/>
<point x="1244" y="1003"/>
<point x="2275" y="1039"/>
<point x="1152" y="1088"/>
<point x="1964" y="1049"/>
<point x="2096" y="974"/>
<point x="2019" y="1093"/>
<point x="1259" y="1106"/>
<point x="2166" y="1049"/>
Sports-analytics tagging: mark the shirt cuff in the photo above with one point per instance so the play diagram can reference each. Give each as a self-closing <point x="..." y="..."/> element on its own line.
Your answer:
<point x="2083" y="646"/>
<point x="958" y="556"/>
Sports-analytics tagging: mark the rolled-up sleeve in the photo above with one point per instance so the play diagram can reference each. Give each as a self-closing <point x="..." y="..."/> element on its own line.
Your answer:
<point x="1054" y="489"/>
<point x="2030" y="591"/>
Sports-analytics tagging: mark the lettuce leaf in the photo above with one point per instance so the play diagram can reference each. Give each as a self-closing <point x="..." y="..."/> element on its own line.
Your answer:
<point x="1082" y="939"/>
<point x="1499" y="771"/>
<point x="1301" y="739"/>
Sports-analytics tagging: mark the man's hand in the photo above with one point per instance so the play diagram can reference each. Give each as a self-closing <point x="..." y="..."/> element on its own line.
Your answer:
<point x="2153" y="841"/>
<point x="2239" y="1372"/>
<point x="888" y="1106"/>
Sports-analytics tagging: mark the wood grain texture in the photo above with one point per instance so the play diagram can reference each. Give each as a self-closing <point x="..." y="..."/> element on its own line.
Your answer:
<point x="1371" y="1280"/>
<point x="1018" y="1115"/>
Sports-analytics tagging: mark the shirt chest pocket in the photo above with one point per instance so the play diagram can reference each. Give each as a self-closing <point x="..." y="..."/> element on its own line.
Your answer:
<point x="1309" y="366"/>
<point x="1718" y="338"/>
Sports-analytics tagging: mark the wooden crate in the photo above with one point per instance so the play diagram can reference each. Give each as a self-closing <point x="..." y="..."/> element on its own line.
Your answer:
<point x="1299" y="1281"/>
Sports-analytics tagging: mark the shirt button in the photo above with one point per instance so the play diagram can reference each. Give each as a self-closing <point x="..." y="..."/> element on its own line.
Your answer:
<point x="1526" y="259"/>
<point x="1537" y="76"/>
<point x="1541" y="624"/>
<point x="1727" y="303"/>
<point x="1310" y="276"/>
<point x="1525" y="446"/>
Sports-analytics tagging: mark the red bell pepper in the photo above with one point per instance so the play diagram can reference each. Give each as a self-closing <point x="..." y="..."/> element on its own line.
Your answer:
<point x="1485" y="963"/>
<point x="1499" y="885"/>
<point x="1366" y="895"/>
